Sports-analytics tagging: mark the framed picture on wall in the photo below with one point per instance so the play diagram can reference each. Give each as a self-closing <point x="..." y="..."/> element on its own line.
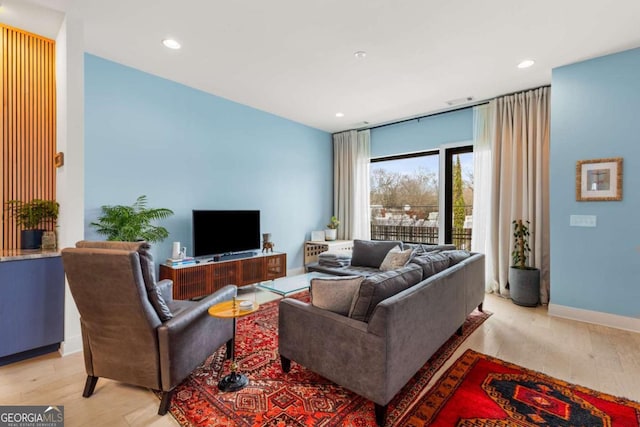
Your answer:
<point x="599" y="179"/>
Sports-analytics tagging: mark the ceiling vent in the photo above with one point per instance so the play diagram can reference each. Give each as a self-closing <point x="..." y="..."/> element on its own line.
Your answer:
<point x="360" y="125"/>
<point x="460" y="101"/>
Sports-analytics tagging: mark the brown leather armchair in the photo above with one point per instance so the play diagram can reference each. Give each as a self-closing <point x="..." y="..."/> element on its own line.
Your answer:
<point x="132" y="329"/>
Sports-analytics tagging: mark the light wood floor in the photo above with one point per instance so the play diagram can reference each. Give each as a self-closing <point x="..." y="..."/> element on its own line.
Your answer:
<point x="601" y="358"/>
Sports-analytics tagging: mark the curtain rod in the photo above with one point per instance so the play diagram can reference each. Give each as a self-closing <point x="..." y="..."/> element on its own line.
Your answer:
<point x="451" y="110"/>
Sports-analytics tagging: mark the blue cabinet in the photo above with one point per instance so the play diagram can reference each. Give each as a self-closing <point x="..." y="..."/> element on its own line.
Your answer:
<point x="31" y="307"/>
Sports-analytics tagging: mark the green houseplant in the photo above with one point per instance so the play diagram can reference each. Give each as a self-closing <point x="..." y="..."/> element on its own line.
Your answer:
<point x="31" y="216"/>
<point x="132" y="223"/>
<point x="331" y="233"/>
<point x="524" y="281"/>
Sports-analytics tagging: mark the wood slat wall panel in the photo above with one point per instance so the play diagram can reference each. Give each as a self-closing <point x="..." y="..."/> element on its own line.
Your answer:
<point x="27" y="123"/>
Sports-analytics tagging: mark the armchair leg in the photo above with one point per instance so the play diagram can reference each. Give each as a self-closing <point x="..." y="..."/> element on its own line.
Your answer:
<point x="480" y="307"/>
<point x="286" y="364"/>
<point x="229" y="354"/>
<point x="381" y="412"/>
<point x="89" y="386"/>
<point x="165" y="403"/>
<point x="459" y="331"/>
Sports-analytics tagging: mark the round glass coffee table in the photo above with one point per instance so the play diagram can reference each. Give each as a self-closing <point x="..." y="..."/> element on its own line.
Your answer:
<point x="233" y="310"/>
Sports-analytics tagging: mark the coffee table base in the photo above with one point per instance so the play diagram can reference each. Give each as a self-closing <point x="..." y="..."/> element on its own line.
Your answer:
<point x="233" y="382"/>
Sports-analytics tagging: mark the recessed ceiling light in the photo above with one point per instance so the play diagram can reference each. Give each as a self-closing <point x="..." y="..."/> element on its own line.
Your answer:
<point x="360" y="54"/>
<point x="526" y="63"/>
<point x="171" y="43"/>
<point x="339" y="114"/>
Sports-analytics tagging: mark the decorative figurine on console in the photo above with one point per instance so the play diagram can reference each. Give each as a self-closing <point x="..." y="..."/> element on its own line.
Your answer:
<point x="267" y="244"/>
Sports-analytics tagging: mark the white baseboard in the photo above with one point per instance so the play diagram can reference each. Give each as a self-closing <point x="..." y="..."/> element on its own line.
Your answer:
<point x="595" y="317"/>
<point x="71" y="345"/>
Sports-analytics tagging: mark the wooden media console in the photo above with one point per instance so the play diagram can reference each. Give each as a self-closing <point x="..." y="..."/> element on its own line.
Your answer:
<point x="196" y="280"/>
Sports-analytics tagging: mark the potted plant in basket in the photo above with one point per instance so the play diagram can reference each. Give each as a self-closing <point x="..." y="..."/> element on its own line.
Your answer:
<point x="132" y="223"/>
<point x="524" y="281"/>
<point x="331" y="233"/>
<point x="31" y="216"/>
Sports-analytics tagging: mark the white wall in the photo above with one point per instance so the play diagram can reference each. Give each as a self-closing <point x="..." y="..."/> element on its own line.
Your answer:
<point x="70" y="141"/>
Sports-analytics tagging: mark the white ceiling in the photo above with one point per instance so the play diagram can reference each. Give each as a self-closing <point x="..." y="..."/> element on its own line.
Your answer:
<point x="294" y="58"/>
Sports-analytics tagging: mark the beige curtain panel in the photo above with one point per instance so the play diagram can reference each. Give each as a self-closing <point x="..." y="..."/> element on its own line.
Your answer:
<point x="351" y="153"/>
<point x="518" y="129"/>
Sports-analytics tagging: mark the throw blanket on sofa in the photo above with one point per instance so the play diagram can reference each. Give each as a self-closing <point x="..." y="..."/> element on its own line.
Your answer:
<point x="335" y="258"/>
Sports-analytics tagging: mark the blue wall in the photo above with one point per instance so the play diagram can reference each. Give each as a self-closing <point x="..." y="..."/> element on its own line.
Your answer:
<point x="427" y="133"/>
<point x="186" y="149"/>
<point x="595" y="113"/>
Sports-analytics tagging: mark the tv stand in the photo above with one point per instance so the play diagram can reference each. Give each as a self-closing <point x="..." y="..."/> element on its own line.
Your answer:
<point x="204" y="278"/>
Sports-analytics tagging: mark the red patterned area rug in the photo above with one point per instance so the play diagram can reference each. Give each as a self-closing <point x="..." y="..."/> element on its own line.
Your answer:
<point x="298" y="398"/>
<point x="480" y="390"/>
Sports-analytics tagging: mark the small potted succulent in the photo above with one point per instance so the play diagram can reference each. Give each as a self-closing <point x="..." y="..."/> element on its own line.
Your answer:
<point x="331" y="233"/>
<point x="31" y="216"/>
<point x="524" y="281"/>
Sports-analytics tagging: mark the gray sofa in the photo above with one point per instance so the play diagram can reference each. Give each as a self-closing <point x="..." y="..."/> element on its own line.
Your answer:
<point x="375" y="252"/>
<point x="376" y="356"/>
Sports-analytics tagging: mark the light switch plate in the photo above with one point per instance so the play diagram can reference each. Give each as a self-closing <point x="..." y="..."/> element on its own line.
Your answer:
<point x="582" y="220"/>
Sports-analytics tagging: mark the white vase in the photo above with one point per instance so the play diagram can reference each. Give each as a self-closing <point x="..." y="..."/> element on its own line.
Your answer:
<point x="331" y="234"/>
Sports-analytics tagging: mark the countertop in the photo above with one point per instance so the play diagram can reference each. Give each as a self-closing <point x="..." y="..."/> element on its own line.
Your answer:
<point x="22" y="254"/>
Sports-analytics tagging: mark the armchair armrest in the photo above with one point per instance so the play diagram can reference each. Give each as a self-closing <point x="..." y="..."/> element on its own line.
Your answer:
<point x="190" y="337"/>
<point x="334" y="346"/>
<point x="165" y="287"/>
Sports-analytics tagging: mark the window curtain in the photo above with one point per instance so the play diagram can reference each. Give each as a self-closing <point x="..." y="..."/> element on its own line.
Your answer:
<point x="518" y="128"/>
<point x="351" y="155"/>
<point x="482" y="173"/>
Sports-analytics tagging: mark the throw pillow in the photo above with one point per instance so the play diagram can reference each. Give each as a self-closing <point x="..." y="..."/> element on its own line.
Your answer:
<point x="371" y="253"/>
<point x="379" y="287"/>
<point x="456" y="256"/>
<point x="334" y="293"/>
<point x="396" y="258"/>
<point x="431" y="263"/>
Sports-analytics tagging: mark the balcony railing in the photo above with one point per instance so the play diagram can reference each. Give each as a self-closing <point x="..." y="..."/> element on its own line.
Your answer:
<point x="399" y="224"/>
<point x="406" y="233"/>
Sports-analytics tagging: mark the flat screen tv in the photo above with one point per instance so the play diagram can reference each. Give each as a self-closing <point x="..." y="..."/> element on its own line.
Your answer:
<point x="217" y="232"/>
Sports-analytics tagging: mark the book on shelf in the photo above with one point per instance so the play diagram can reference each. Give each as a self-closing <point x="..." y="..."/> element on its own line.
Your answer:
<point x="180" y="261"/>
<point x="180" y="264"/>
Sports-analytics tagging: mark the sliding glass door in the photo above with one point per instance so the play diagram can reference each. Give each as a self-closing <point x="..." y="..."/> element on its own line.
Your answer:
<point x="405" y="194"/>
<point x="413" y="202"/>
<point x="458" y="192"/>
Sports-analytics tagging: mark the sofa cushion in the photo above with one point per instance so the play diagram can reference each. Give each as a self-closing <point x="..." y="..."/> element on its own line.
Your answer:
<point x="371" y="253"/>
<point x="379" y="287"/>
<point x="108" y="244"/>
<point x="431" y="263"/>
<point x="456" y="256"/>
<point x="146" y="265"/>
<point x="349" y="270"/>
<point x="422" y="248"/>
<point x="334" y="293"/>
<point x="149" y="275"/>
<point x="396" y="258"/>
